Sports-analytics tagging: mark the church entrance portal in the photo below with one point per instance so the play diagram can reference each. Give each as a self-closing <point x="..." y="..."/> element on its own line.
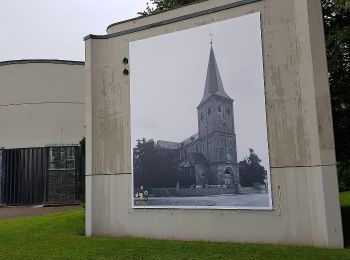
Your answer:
<point x="228" y="177"/>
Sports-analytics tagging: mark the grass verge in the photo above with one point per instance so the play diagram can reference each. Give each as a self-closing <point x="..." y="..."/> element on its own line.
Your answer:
<point x="59" y="236"/>
<point x="345" y="212"/>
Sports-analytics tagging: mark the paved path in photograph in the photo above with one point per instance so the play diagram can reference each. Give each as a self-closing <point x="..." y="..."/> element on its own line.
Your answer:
<point x="22" y="212"/>
<point x="229" y="200"/>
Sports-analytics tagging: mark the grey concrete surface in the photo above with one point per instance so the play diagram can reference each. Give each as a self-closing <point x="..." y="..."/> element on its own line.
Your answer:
<point x="233" y="200"/>
<point x="303" y="168"/>
<point x="42" y="103"/>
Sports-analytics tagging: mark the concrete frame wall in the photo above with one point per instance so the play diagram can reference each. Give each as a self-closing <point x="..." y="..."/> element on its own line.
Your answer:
<point x="303" y="168"/>
<point x="42" y="102"/>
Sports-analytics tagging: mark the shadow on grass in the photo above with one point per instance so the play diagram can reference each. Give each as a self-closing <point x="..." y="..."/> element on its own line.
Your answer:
<point x="345" y="212"/>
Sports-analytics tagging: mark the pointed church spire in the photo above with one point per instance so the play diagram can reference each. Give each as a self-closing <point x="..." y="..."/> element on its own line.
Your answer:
<point x="213" y="83"/>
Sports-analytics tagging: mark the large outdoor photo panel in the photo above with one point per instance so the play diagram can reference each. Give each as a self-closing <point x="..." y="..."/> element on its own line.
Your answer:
<point x="198" y="118"/>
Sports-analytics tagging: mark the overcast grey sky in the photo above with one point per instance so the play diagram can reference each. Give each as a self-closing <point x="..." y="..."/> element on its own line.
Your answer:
<point x="54" y="29"/>
<point x="168" y="75"/>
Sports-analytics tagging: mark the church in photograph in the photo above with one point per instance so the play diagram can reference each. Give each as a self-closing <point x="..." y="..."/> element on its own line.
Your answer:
<point x="210" y="155"/>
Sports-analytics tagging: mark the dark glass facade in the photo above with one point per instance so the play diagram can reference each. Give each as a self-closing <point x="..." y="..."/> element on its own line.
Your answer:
<point x="44" y="175"/>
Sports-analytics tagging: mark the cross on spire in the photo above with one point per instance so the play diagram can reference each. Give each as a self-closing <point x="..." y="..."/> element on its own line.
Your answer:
<point x="211" y="38"/>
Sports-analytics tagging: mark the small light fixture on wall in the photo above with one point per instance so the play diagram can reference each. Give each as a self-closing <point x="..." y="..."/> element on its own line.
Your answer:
<point x="125" y="62"/>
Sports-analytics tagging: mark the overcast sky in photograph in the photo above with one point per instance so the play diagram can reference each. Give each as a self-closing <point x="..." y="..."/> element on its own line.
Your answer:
<point x="168" y="75"/>
<point x="54" y="29"/>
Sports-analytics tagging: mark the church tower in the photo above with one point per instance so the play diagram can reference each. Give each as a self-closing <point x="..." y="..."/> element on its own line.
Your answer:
<point x="216" y="130"/>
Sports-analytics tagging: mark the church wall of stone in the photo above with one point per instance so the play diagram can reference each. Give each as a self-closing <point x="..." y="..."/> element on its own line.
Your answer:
<point x="214" y="119"/>
<point x="303" y="173"/>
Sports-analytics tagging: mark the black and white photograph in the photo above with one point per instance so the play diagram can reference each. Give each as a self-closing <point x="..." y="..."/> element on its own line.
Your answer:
<point x="198" y="118"/>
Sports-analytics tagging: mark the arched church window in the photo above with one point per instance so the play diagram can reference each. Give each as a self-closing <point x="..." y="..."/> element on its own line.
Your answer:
<point x="228" y="111"/>
<point x="201" y="116"/>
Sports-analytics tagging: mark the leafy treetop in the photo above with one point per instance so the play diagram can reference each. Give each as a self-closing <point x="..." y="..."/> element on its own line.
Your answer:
<point x="163" y="5"/>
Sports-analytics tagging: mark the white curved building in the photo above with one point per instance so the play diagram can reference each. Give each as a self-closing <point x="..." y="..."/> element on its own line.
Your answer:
<point x="42" y="108"/>
<point x="41" y="103"/>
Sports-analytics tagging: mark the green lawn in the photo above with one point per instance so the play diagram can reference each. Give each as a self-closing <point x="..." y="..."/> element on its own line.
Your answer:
<point x="345" y="199"/>
<point x="345" y="211"/>
<point x="60" y="236"/>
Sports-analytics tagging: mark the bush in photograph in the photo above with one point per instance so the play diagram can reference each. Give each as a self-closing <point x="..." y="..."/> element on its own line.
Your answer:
<point x="251" y="171"/>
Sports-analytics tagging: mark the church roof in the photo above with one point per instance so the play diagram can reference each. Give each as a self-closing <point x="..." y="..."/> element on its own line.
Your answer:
<point x="194" y="159"/>
<point x="190" y="139"/>
<point x="213" y="83"/>
<point x="168" y="145"/>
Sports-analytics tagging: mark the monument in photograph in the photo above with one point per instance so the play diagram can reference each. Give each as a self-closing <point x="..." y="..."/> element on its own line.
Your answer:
<point x="177" y="130"/>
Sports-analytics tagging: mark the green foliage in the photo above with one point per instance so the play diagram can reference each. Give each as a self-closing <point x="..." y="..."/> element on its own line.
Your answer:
<point x="337" y="30"/>
<point x="344" y="4"/>
<point x="345" y="200"/>
<point x="61" y="236"/>
<point x="343" y="175"/>
<point x="345" y="211"/>
<point x="163" y="5"/>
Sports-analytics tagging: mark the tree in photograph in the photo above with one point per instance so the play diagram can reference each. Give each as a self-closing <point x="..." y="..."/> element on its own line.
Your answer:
<point x="251" y="171"/>
<point x="154" y="167"/>
<point x="145" y="163"/>
<point x="169" y="170"/>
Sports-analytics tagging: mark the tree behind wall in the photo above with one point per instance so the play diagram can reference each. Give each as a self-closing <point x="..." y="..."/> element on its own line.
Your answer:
<point x="336" y="15"/>
<point x="163" y="5"/>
